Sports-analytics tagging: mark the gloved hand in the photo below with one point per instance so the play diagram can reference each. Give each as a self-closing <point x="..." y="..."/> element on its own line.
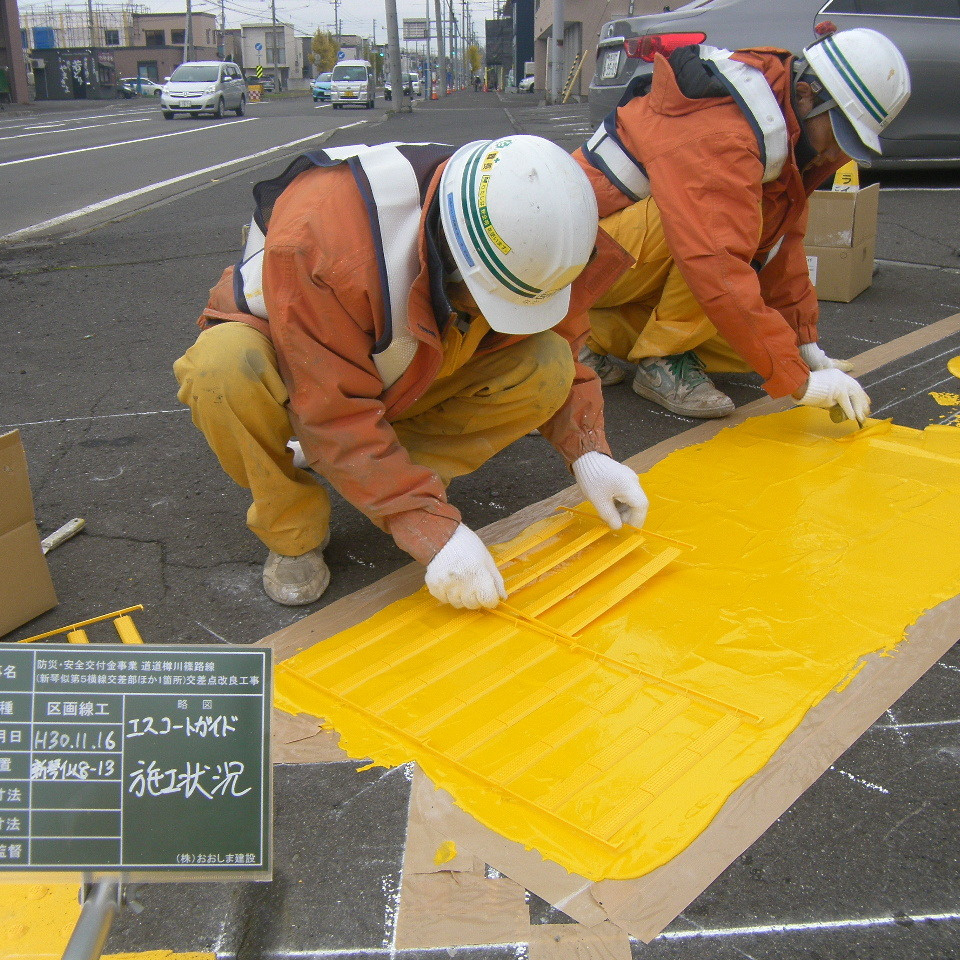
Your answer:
<point x="828" y="388"/>
<point x="464" y="574"/>
<point x="299" y="460"/>
<point x="614" y="489"/>
<point x="816" y="359"/>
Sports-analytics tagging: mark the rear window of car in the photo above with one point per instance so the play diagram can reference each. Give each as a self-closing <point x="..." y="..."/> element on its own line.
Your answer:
<point x="349" y="73"/>
<point x="192" y="74"/>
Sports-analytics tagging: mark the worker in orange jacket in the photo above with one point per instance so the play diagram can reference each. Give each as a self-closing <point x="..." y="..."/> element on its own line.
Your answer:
<point x="703" y="173"/>
<point x="405" y="314"/>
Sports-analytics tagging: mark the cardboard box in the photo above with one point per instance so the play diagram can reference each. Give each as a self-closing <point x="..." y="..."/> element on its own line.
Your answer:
<point x="26" y="589"/>
<point x="841" y="240"/>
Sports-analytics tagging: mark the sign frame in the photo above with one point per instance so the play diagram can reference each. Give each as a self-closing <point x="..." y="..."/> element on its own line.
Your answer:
<point x="192" y="706"/>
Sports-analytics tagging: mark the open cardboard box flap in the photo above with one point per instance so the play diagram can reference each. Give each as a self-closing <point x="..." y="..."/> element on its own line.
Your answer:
<point x="26" y="589"/>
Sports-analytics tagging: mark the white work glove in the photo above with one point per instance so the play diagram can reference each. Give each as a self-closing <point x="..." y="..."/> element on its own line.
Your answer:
<point x="830" y="388"/>
<point x="614" y="489"/>
<point x="816" y="359"/>
<point x="464" y="574"/>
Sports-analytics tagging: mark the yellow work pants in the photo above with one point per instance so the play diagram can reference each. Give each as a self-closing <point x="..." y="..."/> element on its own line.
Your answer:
<point x="230" y="381"/>
<point x="650" y="311"/>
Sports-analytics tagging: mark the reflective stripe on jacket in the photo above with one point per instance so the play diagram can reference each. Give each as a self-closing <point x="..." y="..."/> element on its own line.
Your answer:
<point x="323" y="290"/>
<point x="707" y="176"/>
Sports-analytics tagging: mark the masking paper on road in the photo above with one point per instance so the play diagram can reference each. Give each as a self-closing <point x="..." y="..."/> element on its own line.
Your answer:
<point x="639" y="683"/>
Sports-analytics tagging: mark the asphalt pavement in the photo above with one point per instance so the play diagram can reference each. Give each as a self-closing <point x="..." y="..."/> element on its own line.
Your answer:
<point x="93" y="322"/>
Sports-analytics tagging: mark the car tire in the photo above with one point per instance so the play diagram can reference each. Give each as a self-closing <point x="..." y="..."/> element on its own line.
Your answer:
<point x="242" y="107"/>
<point x="218" y="112"/>
<point x="157" y="93"/>
<point x="167" y="114"/>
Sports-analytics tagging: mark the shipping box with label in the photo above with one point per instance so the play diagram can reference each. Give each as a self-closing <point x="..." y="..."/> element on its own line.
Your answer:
<point x="840" y="242"/>
<point x="26" y="589"/>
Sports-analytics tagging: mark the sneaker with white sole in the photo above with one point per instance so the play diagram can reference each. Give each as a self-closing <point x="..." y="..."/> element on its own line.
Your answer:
<point x="680" y="384"/>
<point x="295" y="581"/>
<point x="608" y="372"/>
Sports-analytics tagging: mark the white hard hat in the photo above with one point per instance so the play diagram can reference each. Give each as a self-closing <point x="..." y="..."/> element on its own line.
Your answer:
<point x="867" y="77"/>
<point x="520" y="218"/>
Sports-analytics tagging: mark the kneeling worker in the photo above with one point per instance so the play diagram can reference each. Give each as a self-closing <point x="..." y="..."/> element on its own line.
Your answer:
<point x="703" y="173"/>
<point x="394" y="312"/>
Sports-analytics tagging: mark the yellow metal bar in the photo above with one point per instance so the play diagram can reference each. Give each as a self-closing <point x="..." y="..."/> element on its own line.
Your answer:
<point x="83" y="623"/>
<point x="643" y="530"/>
<point x="77" y="636"/>
<point x="127" y="630"/>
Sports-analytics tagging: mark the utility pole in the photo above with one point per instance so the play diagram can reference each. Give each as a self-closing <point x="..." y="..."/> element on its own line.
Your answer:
<point x="428" y="79"/>
<point x="223" y="31"/>
<point x="393" y="42"/>
<point x="336" y="23"/>
<point x="187" y="38"/>
<point x="273" y="30"/>
<point x="441" y="56"/>
<point x="556" y="51"/>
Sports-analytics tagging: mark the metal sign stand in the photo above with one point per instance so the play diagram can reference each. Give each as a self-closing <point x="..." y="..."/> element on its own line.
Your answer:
<point x="101" y="901"/>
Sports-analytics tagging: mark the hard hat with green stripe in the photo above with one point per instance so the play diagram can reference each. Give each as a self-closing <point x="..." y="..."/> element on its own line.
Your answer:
<point x="869" y="82"/>
<point x="520" y="218"/>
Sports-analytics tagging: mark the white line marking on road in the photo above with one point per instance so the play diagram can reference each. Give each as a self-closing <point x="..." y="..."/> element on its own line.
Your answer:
<point x="71" y="118"/>
<point x="917" y="724"/>
<point x="861" y="782"/>
<point x="112" y="201"/>
<point x="812" y="926"/>
<point x="918" y="266"/>
<point x="895" y="725"/>
<point x="926" y="389"/>
<point x="121" y="143"/>
<point x="102" y="416"/>
<point x="91" y="126"/>
<point x="919" y="363"/>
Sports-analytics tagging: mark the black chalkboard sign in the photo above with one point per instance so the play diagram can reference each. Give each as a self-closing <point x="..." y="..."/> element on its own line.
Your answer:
<point x="142" y="760"/>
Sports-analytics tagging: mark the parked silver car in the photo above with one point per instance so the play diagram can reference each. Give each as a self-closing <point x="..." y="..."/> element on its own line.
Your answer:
<point x="926" y="133"/>
<point x="204" y="86"/>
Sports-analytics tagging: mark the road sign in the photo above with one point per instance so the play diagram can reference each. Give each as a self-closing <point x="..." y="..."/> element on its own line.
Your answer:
<point x="416" y="28"/>
<point x="341" y="54"/>
<point x="141" y="762"/>
<point x="259" y="70"/>
<point x="258" y="46"/>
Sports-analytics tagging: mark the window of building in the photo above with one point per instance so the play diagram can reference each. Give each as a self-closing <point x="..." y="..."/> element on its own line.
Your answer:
<point x="154" y="38"/>
<point x="178" y="36"/>
<point x="148" y="69"/>
<point x="111" y="38"/>
<point x="208" y="38"/>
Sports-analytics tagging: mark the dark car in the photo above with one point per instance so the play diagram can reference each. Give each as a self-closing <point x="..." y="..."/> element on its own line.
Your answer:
<point x="927" y="132"/>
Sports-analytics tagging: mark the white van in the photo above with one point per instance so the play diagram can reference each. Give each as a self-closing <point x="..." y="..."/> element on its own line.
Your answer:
<point x="352" y="84"/>
<point x="204" y="86"/>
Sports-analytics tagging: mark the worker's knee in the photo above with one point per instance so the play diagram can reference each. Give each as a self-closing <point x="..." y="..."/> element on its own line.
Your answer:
<point x="232" y="364"/>
<point x="543" y="368"/>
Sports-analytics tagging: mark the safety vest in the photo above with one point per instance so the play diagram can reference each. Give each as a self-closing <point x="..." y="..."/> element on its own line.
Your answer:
<point x="751" y="92"/>
<point x="392" y="178"/>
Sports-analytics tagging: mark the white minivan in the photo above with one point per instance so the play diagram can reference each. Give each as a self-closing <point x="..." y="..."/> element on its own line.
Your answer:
<point x="352" y="84"/>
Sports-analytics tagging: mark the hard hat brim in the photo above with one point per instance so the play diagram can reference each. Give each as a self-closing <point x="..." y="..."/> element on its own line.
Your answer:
<point x="861" y="144"/>
<point x="520" y="318"/>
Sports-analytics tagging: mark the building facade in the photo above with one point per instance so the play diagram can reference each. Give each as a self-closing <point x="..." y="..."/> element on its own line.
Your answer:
<point x="277" y="50"/>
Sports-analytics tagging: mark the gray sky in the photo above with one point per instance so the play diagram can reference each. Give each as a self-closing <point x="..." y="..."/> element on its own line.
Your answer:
<point x="356" y="16"/>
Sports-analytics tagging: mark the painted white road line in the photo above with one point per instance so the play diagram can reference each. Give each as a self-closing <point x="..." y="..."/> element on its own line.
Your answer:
<point x="132" y="194"/>
<point x="815" y="926"/>
<point x="101" y="416"/>
<point x="32" y="124"/>
<point x="122" y="143"/>
<point x="861" y="782"/>
<point x="918" y="724"/>
<point x="91" y="126"/>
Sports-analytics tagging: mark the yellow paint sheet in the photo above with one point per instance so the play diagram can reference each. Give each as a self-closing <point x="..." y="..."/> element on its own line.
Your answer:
<point x="632" y="685"/>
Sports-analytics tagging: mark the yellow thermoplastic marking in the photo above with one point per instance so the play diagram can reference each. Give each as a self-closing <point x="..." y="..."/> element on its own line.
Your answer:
<point x="607" y="710"/>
